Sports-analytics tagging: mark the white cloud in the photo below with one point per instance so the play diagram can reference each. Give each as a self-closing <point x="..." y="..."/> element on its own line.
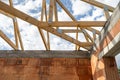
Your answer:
<point x="97" y="15"/>
<point x="80" y="7"/>
<point x="30" y="5"/>
<point x="112" y="3"/>
<point x="30" y="36"/>
<point x="6" y="25"/>
<point x="62" y="16"/>
<point x="60" y="44"/>
<point x="4" y="45"/>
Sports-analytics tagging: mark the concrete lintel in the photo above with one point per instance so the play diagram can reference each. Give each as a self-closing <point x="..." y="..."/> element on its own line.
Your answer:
<point x="43" y="54"/>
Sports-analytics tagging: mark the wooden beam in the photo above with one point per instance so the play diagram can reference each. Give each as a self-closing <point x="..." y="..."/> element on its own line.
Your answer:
<point x="85" y="34"/>
<point x="19" y="35"/>
<point x="51" y="11"/>
<point x="92" y="29"/>
<point x="8" y="40"/>
<point x="7" y="14"/>
<point x="45" y="10"/>
<point x="88" y="35"/>
<point x="35" y="22"/>
<point x="11" y="3"/>
<point x="51" y="7"/>
<point x="42" y="11"/>
<point x="40" y="30"/>
<point x="100" y="5"/>
<point x="43" y="38"/>
<point x="70" y="31"/>
<point x="76" y="46"/>
<point x="48" y="40"/>
<point x="55" y="11"/>
<point x="16" y="30"/>
<point x="82" y="24"/>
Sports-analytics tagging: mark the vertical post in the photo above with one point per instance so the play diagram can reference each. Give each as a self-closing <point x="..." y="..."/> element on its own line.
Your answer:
<point x="76" y="46"/>
<point x="51" y="11"/>
<point x="55" y="11"/>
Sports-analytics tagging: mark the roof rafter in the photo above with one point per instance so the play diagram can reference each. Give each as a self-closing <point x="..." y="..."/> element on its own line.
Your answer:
<point x="8" y="40"/>
<point x="100" y="5"/>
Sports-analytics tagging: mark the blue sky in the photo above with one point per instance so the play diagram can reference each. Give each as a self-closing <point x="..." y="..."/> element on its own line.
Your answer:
<point x="30" y="35"/>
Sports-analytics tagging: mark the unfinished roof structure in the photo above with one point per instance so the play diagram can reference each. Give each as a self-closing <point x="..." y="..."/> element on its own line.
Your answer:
<point x="94" y="52"/>
<point x="49" y="22"/>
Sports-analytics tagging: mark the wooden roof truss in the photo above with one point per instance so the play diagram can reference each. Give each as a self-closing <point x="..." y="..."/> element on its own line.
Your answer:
<point x="52" y="25"/>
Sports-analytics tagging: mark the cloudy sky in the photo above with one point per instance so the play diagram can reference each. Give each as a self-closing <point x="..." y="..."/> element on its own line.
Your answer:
<point x="30" y="35"/>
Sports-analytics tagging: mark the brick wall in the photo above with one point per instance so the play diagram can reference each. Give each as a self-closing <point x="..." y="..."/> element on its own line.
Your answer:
<point x="45" y="69"/>
<point x="104" y="68"/>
